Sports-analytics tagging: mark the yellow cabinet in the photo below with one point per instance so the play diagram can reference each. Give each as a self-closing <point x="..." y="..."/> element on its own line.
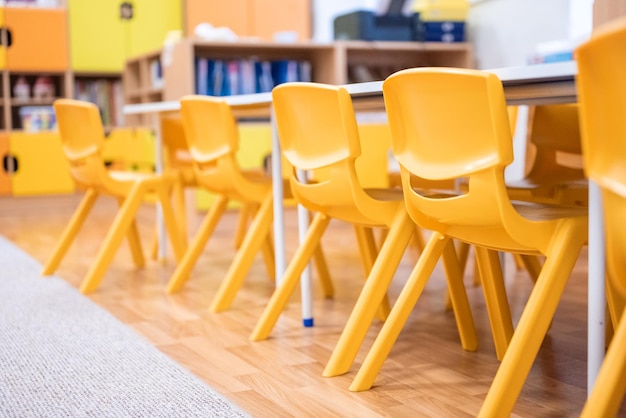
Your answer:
<point x="130" y="149"/>
<point x="96" y="36"/>
<point x="150" y="22"/>
<point x="105" y="33"/>
<point x="41" y="167"/>
<point x="38" y="39"/>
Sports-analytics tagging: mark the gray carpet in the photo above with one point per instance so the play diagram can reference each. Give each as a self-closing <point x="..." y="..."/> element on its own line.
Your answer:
<point x="61" y="355"/>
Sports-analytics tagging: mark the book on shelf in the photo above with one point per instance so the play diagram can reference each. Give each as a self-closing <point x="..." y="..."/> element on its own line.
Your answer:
<point x="104" y="93"/>
<point x="217" y="77"/>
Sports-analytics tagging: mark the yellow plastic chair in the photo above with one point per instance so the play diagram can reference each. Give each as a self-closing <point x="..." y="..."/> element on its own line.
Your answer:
<point x="211" y="132"/>
<point x="82" y="136"/>
<point x="178" y="162"/>
<point x="602" y="96"/>
<point x="318" y="130"/>
<point x="555" y="174"/>
<point x="420" y="104"/>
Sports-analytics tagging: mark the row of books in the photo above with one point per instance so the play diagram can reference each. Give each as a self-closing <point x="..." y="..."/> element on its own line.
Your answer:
<point x="215" y="77"/>
<point x="106" y="94"/>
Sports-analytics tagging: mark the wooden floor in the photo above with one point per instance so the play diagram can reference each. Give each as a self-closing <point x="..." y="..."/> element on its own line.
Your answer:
<point x="427" y="374"/>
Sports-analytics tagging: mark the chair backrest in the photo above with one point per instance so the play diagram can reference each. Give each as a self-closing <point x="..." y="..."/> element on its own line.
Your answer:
<point x="317" y="129"/>
<point x="174" y="142"/>
<point x="82" y="136"/>
<point x="446" y="124"/>
<point x="176" y="149"/>
<point x="602" y="96"/>
<point x="555" y="134"/>
<point x="210" y="128"/>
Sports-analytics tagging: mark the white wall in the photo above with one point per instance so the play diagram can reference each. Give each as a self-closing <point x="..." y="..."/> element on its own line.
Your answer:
<point x="506" y="32"/>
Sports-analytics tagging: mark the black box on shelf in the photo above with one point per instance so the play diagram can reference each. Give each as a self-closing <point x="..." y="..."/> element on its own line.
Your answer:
<point x="367" y="26"/>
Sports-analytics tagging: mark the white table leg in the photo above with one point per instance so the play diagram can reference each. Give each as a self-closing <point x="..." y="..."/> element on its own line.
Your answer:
<point x="158" y="166"/>
<point x="279" y="231"/>
<point x="277" y="184"/>
<point x="596" y="286"/>
<point x="305" y="280"/>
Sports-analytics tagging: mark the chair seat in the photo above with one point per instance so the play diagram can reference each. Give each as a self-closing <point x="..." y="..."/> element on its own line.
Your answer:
<point x="547" y="212"/>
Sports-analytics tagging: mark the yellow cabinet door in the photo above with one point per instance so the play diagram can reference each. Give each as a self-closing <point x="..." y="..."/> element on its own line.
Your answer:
<point x="38" y="39"/>
<point x="41" y="166"/>
<point x="150" y="22"/>
<point x="7" y="165"/>
<point x="97" y="36"/>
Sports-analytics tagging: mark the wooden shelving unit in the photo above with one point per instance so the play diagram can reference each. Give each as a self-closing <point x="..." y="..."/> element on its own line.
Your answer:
<point x="339" y="62"/>
<point x="143" y="83"/>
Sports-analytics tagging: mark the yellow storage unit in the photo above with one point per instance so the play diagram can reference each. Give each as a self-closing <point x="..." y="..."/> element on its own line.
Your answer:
<point x="150" y="22"/>
<point x="130" y="149"/>
<point x="38" y="39"/>
<point x="7" y="165"/>
<point x="41" y="166"/>
<point x="96" y="35"/>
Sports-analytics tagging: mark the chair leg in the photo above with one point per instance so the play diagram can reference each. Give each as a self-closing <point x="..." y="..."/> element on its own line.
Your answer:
<point x="368" y="250"/>
<point x="181" y="274"/>
<point x="255" y="237"/>
<point x="462" y="249"/>
<point x="400" y="312"/>
<point x="458" y="298"/>
<point x="134" y="243"/>
<point x="290" y="279"/>
<point x="267" y="249"/>
<point x="172" y="225"/>
<point x="180" y="208"/>
<point x="534" y="322"/>
<point x="532" y="265"/>
<point x="321" y="267"/>
<point x="70" y="231"/>
<point x="372" y="294"/>
<point x="608" y="391"/>
<point x="120" y="228"/>
<point x="154" y="245"/>
<point x="178" y="193"/>
<point x="246" y="213"/>
<point x="495" y="298"/>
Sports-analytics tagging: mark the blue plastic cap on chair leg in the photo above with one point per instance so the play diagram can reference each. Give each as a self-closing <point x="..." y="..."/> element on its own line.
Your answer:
<point x="307" y="322"/>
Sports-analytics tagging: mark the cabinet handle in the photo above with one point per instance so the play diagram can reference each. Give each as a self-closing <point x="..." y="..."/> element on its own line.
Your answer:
<point x="6" y="37"/>
<point x="9" y="164"/>
<point x="126" y="10"/>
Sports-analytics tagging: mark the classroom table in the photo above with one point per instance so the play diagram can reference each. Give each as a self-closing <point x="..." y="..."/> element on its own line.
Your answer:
<point x="523" y="85"/>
